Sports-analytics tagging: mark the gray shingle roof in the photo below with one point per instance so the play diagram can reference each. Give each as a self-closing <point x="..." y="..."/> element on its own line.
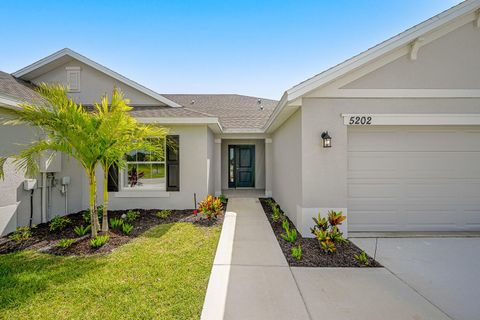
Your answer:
<point x="165" y="112"/>
<point x="234" y="111"/>
<point x="16" y="88"/>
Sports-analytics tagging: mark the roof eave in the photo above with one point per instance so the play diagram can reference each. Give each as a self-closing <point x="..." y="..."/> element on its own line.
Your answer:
<point x="387" y="46"/>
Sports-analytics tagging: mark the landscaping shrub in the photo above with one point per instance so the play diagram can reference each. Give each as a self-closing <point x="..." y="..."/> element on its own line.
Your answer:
<point x="127" y="228"/>
<point x="115" y="223"/>
<point x="276" y="213"/>
<point x="223" y="199"/>
<point x="297" y="252"/>
<point x="290" y="235"/>
<point x="65" y="243"/>
<point x="87" y="214"/>
<point x="163" y="214"/>
<point x="362" y="258"/>
<point x="81" y="230"/>
<point x="99" y="241"/>
<point x="59" y="223"/>
<point x="22" y="233"/>
<point x="210" y="207"/>
<point x="132" y="215"/>
<point x="326" y="230"/>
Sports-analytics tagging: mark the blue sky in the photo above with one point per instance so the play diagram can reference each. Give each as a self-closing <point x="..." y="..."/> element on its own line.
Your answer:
<point x="258" y="48"/>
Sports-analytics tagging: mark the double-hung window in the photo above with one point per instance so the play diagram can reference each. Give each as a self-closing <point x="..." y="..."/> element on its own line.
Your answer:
<point x="146" y="170"/>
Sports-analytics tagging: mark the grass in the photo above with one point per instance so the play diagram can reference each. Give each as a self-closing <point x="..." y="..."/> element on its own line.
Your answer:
<point x="162" y="274"/>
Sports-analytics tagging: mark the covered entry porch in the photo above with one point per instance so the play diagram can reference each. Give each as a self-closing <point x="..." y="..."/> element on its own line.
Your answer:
<point x="245" y="168"/>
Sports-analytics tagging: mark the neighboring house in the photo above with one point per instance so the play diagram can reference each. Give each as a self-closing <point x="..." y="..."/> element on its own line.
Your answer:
<point x="404" y="118"/>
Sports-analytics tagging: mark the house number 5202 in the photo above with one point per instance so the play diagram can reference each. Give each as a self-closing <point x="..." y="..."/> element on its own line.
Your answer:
<point x="360" y="120"/>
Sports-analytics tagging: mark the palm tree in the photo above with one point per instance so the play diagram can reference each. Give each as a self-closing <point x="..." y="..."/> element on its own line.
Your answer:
<point x="124" y="134"/>
<point x="67" y="127"/>
<point x="103" y="136"/>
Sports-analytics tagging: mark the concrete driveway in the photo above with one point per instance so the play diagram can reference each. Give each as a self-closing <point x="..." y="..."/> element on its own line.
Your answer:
<point x="445" y="271"/>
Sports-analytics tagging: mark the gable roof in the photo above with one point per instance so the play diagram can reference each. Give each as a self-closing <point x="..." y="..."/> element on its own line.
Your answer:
<point x="406" y="37"/>
<point x="62" y="56"/>
<point x="13" y="90"/>
<point x="235" y="112"/>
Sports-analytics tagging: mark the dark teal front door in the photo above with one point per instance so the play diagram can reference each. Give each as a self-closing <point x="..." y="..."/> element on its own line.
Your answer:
<point x="241" y="166"/>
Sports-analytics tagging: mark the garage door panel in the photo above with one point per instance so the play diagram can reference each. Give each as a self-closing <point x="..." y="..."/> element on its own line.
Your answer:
<point x="373" y="190"/>
<point x="386" y="219"/>
<point x="429" y="218"/>
<point x="425" y="179"/>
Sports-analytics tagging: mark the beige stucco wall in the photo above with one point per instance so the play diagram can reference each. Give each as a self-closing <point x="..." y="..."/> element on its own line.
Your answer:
<point x="259" y="160"/>
<point x="324" y="171"/>
<point x="287" y="150"/>
<point x="94" y="84"/>
<point x="193" y="174"/>
<point x="450" y="62"/>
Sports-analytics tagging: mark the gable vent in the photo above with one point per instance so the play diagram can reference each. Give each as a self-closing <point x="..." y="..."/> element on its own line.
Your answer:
<point x="73" y="79"/>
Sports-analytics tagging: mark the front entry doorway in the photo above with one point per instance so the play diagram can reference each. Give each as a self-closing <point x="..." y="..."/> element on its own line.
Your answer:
<point x="241" y="166"/>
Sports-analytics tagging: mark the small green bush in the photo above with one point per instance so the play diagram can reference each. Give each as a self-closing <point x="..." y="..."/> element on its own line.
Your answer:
<point x="22" y="233"/>
<point x="99" y="241"/>
<point x="276" y="214"/>
<point x="65" y="243"/>
<point x="115" y="223"/>
<point x="132" y="215"/>
<point x="297" y="252"/>
<point x="362" y="258"/>
<point x="290" y="235"/>
<point x="81" y="230"/>
<point x="127" y="228"/>
<point x="164" y="214"/>
<point x="87" y="214"/>
<point x="59" y="223"/>
<point x="223" y="199"/>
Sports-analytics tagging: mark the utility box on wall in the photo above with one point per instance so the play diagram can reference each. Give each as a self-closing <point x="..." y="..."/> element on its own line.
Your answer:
<point x="51" y="161"/>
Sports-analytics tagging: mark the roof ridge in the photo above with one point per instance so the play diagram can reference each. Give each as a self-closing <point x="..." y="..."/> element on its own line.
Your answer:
<point x="216" y="94"/>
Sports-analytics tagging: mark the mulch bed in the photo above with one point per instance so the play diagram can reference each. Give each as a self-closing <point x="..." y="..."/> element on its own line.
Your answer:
<point x="45" y="240"/>
<point x="312" y="254"/>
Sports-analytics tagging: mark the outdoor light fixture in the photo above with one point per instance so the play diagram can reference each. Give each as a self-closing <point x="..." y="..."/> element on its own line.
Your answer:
<point x="327" y="140"/>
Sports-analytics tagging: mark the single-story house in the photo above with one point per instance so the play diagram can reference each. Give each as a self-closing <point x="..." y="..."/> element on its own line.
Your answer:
<point x="391" y="137"/>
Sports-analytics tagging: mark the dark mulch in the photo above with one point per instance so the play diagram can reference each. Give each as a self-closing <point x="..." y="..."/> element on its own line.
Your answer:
<point x="44" y="240"/>
<point x="312" y="255"/>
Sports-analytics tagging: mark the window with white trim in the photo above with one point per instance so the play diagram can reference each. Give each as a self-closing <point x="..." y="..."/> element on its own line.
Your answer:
<point x="146" y="170"/>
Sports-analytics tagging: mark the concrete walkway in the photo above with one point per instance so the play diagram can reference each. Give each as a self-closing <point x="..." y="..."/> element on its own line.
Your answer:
<point x="251" y="279"/>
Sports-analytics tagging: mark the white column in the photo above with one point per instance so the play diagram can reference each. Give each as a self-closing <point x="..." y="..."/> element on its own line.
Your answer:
<point x="268" y="167"/>
<point x="217" y="155"/>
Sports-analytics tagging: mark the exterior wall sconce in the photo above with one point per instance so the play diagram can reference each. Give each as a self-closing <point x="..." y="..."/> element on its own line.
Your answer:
<point x="327" y="140"/>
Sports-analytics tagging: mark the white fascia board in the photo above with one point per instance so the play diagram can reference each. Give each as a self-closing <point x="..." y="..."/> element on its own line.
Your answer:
<point x="382" y="48"/>
<point x="411" y="119"/>
<point x="240" y="130"/>
<point x="99" y="67"/>
<point x="280" y="105"/>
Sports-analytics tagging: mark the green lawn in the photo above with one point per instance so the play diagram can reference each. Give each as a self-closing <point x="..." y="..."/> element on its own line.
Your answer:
<point x="161" y="275"/>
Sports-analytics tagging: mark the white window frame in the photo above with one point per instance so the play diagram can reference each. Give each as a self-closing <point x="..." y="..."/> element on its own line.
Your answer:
<point x="124" y="172"/>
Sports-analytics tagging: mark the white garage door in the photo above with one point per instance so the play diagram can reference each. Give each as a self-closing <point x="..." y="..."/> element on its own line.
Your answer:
<point x="414" y="178"/>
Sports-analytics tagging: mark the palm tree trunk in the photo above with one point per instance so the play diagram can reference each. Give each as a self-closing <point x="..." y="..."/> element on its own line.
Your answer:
<point x="105" y="200"/>
<point x="93" y="208"/>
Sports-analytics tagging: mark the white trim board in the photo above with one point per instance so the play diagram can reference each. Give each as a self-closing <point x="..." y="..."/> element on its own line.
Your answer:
<point x="68" y="52"/>
<point x="411" y="119"/>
